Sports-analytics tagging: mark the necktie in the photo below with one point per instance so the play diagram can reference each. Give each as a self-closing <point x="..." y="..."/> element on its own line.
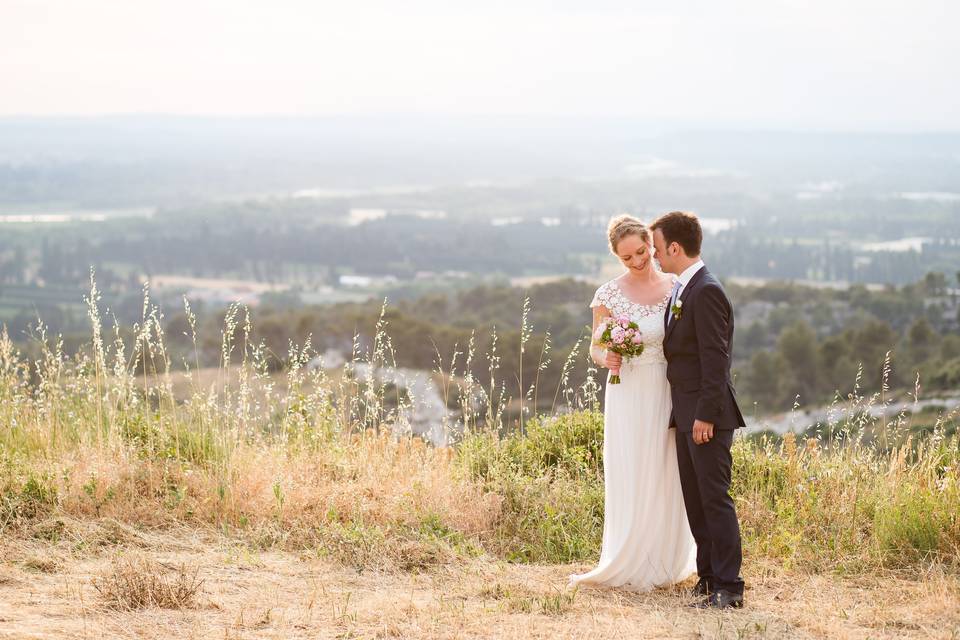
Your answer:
<point x="673" y="298"/>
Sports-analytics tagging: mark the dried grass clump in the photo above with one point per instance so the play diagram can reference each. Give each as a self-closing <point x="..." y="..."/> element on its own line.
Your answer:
<point x="138" y="582"/>
<point x="43" y="564"/>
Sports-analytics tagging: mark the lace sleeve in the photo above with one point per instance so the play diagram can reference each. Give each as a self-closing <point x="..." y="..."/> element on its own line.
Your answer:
<point x="602" y="297"/>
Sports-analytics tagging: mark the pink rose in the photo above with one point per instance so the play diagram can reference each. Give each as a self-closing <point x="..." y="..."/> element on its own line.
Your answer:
<point x="618" y="339"/>
<point x="637" y="339"/>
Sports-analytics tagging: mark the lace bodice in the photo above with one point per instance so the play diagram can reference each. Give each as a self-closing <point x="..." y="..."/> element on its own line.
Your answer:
<point x="648" y="317"/>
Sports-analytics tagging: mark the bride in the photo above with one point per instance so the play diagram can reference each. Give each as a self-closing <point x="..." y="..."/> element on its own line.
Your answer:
<point x="646" y="539"/>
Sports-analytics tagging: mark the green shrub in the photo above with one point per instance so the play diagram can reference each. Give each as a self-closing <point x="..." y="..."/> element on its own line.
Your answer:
<point x="571" y="443"/>
<point x="551" y="481"/>
<point x="911" y="522"/>
<point x="26" y="498"/>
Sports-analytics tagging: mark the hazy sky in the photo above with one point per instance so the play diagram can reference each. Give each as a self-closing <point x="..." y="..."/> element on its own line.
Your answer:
<point x="864" y="64"/>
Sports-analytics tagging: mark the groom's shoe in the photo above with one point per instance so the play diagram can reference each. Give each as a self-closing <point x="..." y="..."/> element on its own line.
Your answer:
<point x="702" y="589"/>
<point x="720" y="599"/>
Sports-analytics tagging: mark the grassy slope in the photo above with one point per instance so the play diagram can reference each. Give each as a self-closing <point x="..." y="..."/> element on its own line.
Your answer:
<point x="294" y="510"/>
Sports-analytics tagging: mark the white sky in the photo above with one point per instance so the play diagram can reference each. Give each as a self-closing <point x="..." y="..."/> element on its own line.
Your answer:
<point x="838" y="64"/>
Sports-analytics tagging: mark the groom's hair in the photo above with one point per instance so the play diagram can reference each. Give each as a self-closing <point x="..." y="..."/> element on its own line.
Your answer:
<point x="683" y="228"/>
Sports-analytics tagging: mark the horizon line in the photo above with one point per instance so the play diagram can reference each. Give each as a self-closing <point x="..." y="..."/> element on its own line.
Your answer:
<point x="701" y="124"/>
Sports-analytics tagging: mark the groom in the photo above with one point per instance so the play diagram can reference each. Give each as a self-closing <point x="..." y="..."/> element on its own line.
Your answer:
<point x="699" y="333"/>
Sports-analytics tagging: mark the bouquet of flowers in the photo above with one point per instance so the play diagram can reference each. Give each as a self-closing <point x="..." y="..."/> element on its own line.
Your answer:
<point x="621" y="336"/>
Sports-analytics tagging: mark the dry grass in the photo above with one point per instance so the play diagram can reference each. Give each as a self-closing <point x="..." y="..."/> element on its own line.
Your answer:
<point x="368" y="502"/>
<point x="138" y="581"/>
<point x="275" y="594"/>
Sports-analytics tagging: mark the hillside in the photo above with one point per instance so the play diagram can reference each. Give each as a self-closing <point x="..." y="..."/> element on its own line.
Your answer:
<point x="239" y="507"/>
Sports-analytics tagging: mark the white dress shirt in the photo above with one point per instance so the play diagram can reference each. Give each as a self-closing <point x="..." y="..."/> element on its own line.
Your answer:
<point x="687" y="276"/>
<point x="682" y="281"/>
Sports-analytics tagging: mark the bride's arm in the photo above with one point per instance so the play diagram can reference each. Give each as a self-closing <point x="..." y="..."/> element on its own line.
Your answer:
<point x="600" y="356"/>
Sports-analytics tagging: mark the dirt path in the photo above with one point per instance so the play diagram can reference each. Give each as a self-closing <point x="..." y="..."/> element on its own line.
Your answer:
<point x="46" y="592"/>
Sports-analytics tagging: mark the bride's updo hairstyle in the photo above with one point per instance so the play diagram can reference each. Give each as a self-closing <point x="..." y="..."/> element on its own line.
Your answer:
<point x="625" y="225"/>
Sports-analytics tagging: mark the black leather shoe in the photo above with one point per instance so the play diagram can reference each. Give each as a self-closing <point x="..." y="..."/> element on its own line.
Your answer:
<point x="702" y="589"/>
<point x="720" y="599"/>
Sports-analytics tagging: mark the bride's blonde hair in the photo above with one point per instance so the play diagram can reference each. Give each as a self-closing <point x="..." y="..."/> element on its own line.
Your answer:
<point x="624" y="225"/>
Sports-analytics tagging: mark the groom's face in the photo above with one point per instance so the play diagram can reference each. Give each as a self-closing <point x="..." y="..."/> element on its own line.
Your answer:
<point x="660" y="251"/>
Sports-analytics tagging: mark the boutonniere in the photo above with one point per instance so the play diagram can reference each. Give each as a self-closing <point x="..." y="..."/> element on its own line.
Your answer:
<point x="677" y="309"/>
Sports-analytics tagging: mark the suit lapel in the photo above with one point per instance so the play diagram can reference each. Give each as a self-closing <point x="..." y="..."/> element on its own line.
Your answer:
<point x="683" y="297"/>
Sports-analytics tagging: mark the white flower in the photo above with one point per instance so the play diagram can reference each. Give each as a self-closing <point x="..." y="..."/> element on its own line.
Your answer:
<point x="677" y="309"/>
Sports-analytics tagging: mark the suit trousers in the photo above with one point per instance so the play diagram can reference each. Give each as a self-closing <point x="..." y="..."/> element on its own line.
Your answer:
<point x="705" y="471"/>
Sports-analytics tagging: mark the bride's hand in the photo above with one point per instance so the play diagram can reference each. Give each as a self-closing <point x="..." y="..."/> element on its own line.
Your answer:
<point x="613" y="360"/>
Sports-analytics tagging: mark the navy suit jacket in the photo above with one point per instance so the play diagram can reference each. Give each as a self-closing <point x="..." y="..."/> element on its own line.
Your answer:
<point x="697" y="346"/>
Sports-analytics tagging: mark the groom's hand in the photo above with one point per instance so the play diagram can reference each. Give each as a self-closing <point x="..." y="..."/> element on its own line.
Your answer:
<point x="702" y="431"/>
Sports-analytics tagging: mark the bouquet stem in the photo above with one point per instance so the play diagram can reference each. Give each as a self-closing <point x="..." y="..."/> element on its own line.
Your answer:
<point x="614" y="377"/>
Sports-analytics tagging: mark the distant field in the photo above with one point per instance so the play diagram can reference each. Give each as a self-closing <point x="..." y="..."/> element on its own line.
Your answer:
<point x="15" y="299"/>
<point x="168" y="281"/>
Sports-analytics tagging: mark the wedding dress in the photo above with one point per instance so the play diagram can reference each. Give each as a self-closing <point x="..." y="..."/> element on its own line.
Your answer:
<point x="646" y="538"/>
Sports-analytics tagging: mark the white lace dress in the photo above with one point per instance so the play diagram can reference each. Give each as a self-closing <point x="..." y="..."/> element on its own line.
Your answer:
<point x="646" y="539"/>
